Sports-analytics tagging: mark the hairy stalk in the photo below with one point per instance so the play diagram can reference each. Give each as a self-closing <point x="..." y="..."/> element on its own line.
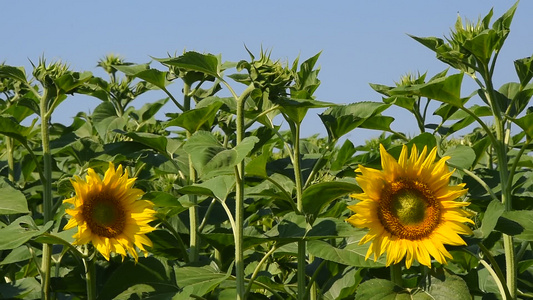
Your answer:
<point x="10" y="161"/>
<point x="193" y="210"/>
<point x="46" y="180"/>
<point x="301" y="278"/>
<point x="396" y="274"/>
<point x="90" y="277"/>
<point x="501" y="148"/>
<point x="239" y="197"/>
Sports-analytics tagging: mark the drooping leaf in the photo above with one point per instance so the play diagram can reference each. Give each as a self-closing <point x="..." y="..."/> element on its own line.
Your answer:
<point x="490" y="218"/>
<point x="197" y="281"/>
<point x="340" y="120"/>
<point x="197" y="119"/>
<point x="16" y="73"/>
<point x="208" y="154"/>
<point x="194" y="61"/>
<point x="461" y="156"/>
<point x="154" y="141"/>
<point x="352" y="254"/>
<point x="72" y="80"/>
<point x="19" y="232"/>
<point x="13" y="201"/>
<point x="149" y="271"/>
<point x="524" y="69"/>
<point x="144" y="72"/>
<point x="317" y="196"/>
<point x="296" y="109"/>
<point x="524" y="218"/>
<point x="526" y="123"/>
<point x="442" y="287"/>
<point x="12" y="129"/>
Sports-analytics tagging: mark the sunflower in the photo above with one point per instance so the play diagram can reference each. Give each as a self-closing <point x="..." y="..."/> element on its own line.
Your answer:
<point x="409" y="208"/>
<point x="109" y="214"/>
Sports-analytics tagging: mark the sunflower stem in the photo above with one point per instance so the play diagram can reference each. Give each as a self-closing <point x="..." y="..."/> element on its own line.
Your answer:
<point x="301" y="278"/>
<point x="193" y="211"/>
<point x="396" y="274"/>
<point x="239" y="197"/>
<point x="90" y="277"/>
<point x="501" y="149"/>
<point x="46" y="181"/>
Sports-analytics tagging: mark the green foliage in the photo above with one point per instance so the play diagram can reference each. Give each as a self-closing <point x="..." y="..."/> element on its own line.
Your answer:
<point x="241" y="200"/>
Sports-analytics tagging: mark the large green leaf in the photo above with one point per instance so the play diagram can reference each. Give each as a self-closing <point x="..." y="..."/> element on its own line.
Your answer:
<point x="16" y="73"/>
<point x="13" y="201"/>
<point x="197" y="281"/>
<point x="153" y="76"/>
<point x="149" y="271"/>
<point x="461" y="156"/>
<point x="296" y="109"/>
<point x="154" y="141"/>
<point x="194" y="61"/>
<point x="105" y="119"/>
<point x="19" y="232"/>
<point x="72" y="80"/>
<point x="524" y="69"/>
<point x="198" y="118"/>
<point x="352" y="254"/>
<point x="445" y="89"/>
<point x="490" y="218"/>
<point x="522" y="220"/>
<point x="11" y="128"/>
<point x="208" y="154"/>
<point x="526" y="123"/>
<point x="444" y="286"/>
<point x="340" y="120"/>
<point x="317" y="196"/>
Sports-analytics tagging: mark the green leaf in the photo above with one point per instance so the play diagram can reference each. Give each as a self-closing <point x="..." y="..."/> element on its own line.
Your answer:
<point x="352" y="254"/>
<point x="197" y="281"/>
<point x="154" y="141"/>
<point x="194" y="61"/>
<point x="208" y="154"/>
<point x="340" y="120"/>
<point x="21" y="253"/>
<point x="490" y="218"/>
<point x="24" y="288"/>
<point x="445" y="89"/>
<point x="525" y="123"/>
<point x="153" y="76"/>
<point x="461" y="156"/>
<point x="524" y="218"/>
<point x="16" y="73"/>
<point x="524" y="69"/>
<point x="296" y="109"/>
<point x="380" y="289"/>
<point x="444" y="286"/>
<point x="317" y="196"/>
<point x="13" y="201"/>
<point x="105" y="119"/>
<point x="149" y="271"/>
<point x="15" y="234"/>
<point x="11" y="128"/>
<point x="345" y="284"/>
<point x="345" y="153"/>
<point x="72" y="80"/>
<point x="198" y="118"/>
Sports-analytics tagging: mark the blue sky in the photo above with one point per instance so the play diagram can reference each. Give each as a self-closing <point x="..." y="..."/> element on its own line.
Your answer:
<point x="362" y="42"/>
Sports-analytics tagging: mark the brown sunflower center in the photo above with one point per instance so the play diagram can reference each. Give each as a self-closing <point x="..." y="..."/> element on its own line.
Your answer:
<point x="409" y="210"/>
<point x="104" y="215"/>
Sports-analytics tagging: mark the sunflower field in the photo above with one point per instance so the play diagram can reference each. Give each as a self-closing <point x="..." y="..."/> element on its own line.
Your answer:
<point x="220" y="201"/>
